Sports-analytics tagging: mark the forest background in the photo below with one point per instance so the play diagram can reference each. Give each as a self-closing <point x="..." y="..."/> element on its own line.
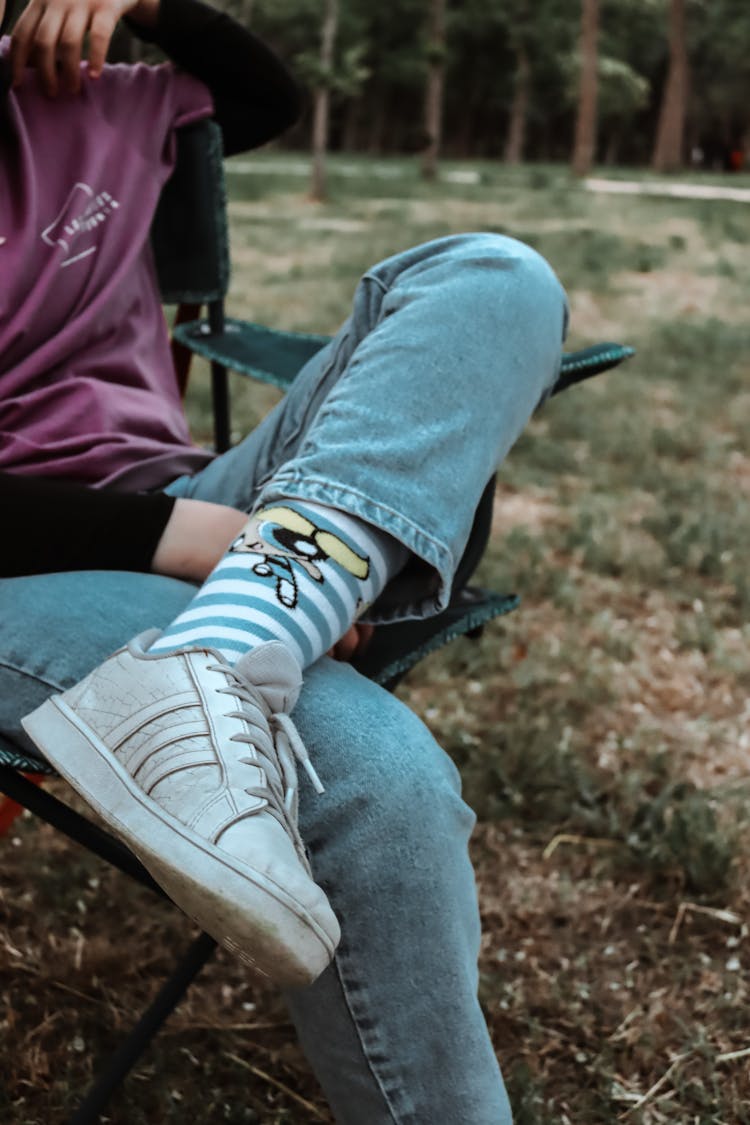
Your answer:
<point x="660" y="82"/>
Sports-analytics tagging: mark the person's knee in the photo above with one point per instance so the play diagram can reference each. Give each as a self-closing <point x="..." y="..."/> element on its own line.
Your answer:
<point x="497" y="262"/>
<point x="413" y="788"/>
<point x="486" y="283"/>
<point x="391" y="790"/>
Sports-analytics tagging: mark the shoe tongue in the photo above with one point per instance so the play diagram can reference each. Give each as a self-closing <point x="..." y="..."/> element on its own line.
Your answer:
<point x="274" y="673"/>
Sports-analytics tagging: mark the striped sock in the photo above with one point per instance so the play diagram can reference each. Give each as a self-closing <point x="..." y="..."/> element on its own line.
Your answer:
<point x="299" y="572"/>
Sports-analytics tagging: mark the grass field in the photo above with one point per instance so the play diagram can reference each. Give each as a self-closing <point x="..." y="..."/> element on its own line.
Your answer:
<point x="602" y="730"/>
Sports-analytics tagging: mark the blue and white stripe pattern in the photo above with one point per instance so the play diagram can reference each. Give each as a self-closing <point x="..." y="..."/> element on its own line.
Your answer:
<point x="299" y="573"/>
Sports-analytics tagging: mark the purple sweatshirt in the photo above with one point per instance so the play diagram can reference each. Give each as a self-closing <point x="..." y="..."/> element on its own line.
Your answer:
<point x="87" y="390"/>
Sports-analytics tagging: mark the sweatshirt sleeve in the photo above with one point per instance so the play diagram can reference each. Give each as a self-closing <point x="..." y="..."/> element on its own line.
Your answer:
<point x="50" y="525"/>
<point x="255" y="97"/>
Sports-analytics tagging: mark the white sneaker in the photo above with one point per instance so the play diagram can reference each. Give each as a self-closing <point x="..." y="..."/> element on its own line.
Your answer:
<point x="191" y="763"/>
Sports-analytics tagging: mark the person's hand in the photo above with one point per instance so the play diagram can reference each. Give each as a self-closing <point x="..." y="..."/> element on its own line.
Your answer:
<point x="50" y="36"/>
<point x="353" y="642"/>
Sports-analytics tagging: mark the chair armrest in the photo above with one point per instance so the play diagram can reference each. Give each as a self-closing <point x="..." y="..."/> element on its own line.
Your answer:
<point x="580" y="365"/>
<point x="252" y="349"/>
<point x="18" y="758"/>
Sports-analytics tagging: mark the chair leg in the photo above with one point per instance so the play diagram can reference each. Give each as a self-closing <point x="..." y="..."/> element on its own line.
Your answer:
<point x="221" y="408"/>
<point x="129" y="1051"/>
<point x="72" y="824"/>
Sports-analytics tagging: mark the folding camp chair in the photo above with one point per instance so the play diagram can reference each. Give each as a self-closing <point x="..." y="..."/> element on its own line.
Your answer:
<point x="191" y="250"/>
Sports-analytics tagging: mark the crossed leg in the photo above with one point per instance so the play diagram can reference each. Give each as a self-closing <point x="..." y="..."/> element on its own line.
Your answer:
<point x="400" y="422"/>
<point x="392" y="1028"/>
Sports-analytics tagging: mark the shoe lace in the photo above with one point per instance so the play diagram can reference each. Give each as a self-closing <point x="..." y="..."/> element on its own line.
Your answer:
<point x="283" y="746"/>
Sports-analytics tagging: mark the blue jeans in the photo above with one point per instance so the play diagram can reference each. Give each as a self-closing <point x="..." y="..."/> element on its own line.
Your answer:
<point x="400" y="420"/>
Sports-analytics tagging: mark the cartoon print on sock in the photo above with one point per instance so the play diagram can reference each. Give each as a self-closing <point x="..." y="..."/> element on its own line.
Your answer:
<point x="282" y="537"/>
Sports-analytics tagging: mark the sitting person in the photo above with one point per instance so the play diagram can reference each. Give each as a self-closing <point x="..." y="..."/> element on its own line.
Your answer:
<point x="361" y="488"/>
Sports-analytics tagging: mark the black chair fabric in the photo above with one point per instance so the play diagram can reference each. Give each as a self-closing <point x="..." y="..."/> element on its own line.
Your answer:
<point x="189" y="233"/>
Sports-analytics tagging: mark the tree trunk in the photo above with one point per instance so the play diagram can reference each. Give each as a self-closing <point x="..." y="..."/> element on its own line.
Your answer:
<point x="321" y="101"/>
<point x="433" y="116"/>
<point x="584" y="146"/>
<point x="514" y="144"/>
<point x="667" y="155"/>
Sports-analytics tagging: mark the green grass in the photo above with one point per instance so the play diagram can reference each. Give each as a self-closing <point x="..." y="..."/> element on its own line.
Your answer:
<point x="601" y="730"/>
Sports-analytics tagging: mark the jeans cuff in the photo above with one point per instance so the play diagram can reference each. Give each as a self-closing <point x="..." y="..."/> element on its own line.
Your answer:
<point x="422" y="588"/>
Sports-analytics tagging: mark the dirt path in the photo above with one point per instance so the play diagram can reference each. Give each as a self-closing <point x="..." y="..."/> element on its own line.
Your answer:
<point x="472" y="176"/>
<point x="677" y="191"/>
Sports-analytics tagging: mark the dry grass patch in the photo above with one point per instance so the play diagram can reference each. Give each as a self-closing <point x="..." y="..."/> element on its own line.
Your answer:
<point x="602" y="730"/>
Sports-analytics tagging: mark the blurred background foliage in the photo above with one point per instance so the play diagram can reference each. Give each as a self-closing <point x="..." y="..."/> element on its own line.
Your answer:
<point x="515" y="65"/>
